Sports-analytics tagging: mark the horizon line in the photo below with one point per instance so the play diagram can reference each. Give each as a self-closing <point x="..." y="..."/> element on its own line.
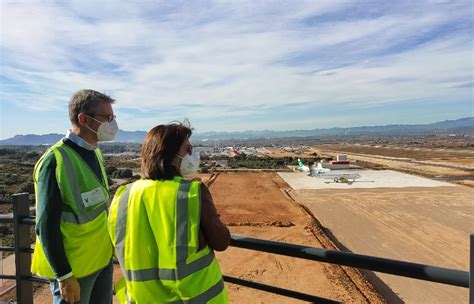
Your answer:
<point x="269" y="130"/>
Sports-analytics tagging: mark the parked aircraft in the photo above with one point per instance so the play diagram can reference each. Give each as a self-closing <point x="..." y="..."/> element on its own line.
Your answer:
<point x="339" y="177"/>
<point x="301" y="167"/>
<point x="321" y="172"/>
<point x="318" y="169"/>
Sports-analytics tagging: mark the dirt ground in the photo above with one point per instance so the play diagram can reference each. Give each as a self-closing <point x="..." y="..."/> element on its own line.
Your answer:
<point x="405" y="152"/>
<point x="276" y="152"/>
<point x="253" y="205"/>
<point x="422" y="225"/>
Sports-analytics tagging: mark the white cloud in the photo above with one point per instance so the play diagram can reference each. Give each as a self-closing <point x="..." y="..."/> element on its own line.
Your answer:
<point x="163" y="56"/>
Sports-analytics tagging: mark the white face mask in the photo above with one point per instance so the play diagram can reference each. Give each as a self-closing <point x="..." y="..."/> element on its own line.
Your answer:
<point x="106" y="131"/>
<point x="190" y="163"/>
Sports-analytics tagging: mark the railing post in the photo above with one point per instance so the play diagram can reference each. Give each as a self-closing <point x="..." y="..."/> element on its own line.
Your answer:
<point x="471" y="271"/>
<point x="24" y="288"/>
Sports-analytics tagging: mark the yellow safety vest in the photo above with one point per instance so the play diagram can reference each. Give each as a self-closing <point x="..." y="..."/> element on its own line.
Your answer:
<point x="154" y="226"/>
<point x="84" y="217"/>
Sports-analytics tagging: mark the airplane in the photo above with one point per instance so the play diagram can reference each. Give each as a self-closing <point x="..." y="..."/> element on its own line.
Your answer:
<point x="318" y="169"/>
<point x="321" y="172"/>
<point x="301" y="167"/>
<point x="339" y="177"/>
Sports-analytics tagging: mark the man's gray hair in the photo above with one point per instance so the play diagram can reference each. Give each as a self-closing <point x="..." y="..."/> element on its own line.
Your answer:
<point x="86" y="101"/>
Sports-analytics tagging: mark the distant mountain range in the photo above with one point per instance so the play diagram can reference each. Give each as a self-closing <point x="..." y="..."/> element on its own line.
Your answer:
<point x="462" y="125"/>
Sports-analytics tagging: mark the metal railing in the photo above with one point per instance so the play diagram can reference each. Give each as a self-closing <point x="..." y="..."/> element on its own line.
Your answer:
<point x="22" y="222"/>
<point x="22" y="244"/>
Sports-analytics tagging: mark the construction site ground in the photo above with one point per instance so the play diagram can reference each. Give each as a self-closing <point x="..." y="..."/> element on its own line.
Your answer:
<point x="422" y="225"/>
<point x="420" y="221"/>
<point x="254" y="205"/>
<point x="409" y="212"/>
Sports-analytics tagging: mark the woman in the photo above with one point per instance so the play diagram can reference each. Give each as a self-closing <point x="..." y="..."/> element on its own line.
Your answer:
<point x="165" y="227"/>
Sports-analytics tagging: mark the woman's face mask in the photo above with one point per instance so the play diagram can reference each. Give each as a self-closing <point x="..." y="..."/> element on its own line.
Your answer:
<point x="189" y="163"/>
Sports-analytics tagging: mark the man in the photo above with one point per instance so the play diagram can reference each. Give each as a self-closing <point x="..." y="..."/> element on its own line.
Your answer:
<point x="73" y="248"/>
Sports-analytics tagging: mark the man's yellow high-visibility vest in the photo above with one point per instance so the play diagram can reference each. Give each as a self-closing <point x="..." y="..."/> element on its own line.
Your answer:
<point x="83" y="218"/>
<point x="154" y="226"/>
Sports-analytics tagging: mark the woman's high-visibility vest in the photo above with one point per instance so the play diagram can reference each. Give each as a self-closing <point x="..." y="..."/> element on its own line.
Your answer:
<point x="154" y="226"/>
<point x="84" y="214"/>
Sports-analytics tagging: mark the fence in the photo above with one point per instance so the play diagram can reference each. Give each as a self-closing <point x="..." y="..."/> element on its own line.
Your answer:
<point x="22" y="221"/>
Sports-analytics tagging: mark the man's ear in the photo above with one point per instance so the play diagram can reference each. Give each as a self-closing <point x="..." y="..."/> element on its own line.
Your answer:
<point x="82" y="119"/>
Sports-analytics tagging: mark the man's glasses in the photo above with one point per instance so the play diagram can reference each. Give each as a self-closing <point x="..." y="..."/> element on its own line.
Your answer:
<point x="109" y="117"/>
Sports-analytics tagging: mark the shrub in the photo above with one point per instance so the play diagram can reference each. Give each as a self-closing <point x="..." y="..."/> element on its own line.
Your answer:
<point x="122" y="173"/>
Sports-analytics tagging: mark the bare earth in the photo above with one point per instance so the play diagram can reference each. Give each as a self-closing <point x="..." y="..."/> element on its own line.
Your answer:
<point x="253" y="205"/>
<point x="422" y="225"/>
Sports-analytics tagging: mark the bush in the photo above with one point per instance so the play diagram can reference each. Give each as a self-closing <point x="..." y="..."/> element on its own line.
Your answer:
<point x="27" y="187"/>
<point x="34" y="156"/>
<point x="110" y="169"/>
<point x="7" y="151"/>
<point x="122" y="173"/>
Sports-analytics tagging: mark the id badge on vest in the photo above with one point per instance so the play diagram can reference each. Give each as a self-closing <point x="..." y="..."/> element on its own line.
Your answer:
<point x="93" y="197"/>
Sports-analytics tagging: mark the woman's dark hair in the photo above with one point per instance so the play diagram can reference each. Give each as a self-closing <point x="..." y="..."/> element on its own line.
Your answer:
<point x="159" y="149"/>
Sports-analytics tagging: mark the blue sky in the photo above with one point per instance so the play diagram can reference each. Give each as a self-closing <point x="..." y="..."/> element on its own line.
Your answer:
<point x="237" y="65"/>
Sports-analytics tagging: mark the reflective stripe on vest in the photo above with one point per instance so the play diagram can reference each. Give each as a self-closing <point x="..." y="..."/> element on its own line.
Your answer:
<point x="182" y="268"/>
<point x="205" y="296"/>
<point x="202" y="298"/>
<point x="83" y="215"/>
